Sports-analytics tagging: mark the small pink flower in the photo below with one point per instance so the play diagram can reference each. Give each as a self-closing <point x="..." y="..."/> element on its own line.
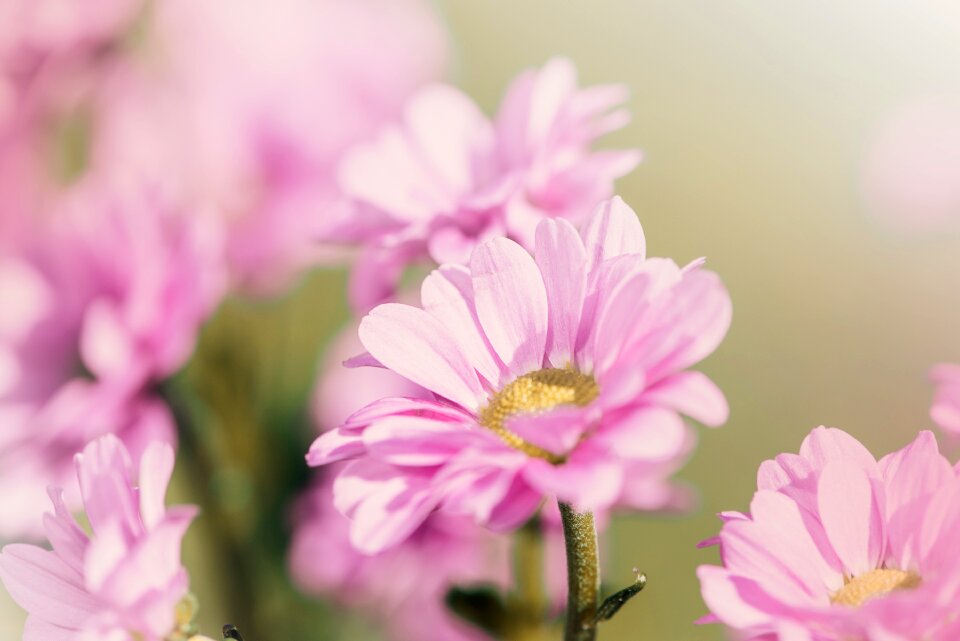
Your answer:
<point x="945" y="411"/>
<point x="447" y="177"/>
<point x="840" y="546"/>
<point x="403" y="587"/>
<point x="124" y="581"/>
<point x="560" y="375"/>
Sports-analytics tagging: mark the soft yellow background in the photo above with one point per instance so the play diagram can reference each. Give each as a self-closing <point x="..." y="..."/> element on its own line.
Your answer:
<point x="754" y="117"/>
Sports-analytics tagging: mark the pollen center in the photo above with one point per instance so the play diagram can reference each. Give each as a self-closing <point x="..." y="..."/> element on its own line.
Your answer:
<point x="875" y="583"/>
<point x="536" y="392"/>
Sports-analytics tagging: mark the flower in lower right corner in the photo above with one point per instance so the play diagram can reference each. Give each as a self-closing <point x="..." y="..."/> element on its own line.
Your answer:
<point x="838" y="545"/>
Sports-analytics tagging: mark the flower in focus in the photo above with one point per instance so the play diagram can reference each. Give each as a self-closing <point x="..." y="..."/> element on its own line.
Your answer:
<point x="111" y="295"/>
<point x="840" y="546"/>
<point x="446" y="177"/>
<point x="557" y="375"/>
<point x="405" y="586"/>
<point x="945" y="410"/>
<point x="122" y="582"/>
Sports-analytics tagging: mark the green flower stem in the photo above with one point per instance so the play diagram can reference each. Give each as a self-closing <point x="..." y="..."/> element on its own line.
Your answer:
<point x="583" y="573"/>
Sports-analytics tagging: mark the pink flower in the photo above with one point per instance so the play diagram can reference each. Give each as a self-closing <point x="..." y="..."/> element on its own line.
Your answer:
<point x="404" y="587"/>
<point x="560" y="375"/>
<point x="447" y="177"/>
<point x="109" y="299"/>
<point x="840" y="546"/>
<point x="945" y="411"/>
<point x="267" y="96"/>
<point x="911" y="173"/>
<point x="242" y="111"/>
<point x="123" y="582"/>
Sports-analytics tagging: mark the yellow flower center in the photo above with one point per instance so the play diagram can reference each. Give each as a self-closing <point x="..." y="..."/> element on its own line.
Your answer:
<point x="858" y="590"/>
<point x="536" y="392"/>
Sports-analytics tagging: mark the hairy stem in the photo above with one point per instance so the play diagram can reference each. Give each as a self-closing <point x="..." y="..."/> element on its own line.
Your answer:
<point x="583" y="573"/>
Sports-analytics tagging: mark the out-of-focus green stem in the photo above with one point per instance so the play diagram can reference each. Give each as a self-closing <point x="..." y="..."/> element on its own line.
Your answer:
<point x="199" y="466"/>
<point x="583" y="573"/>
<point x="528" y="566"/>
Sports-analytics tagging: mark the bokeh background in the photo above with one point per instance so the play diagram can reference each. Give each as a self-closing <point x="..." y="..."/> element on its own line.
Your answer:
<point x="774" y="135"/>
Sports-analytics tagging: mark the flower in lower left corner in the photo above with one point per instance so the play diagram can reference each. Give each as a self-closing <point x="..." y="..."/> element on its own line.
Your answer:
<point x="122" y="581"/>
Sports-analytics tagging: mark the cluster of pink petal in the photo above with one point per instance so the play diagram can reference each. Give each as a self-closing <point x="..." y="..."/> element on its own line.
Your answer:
<point x="268" y="96"/>
<point x="592" y="302"/>
<point x="945" y="410"/>
<point x="241" y="110"/>
<point x="123" y="582"/>
<point x="830" y="513"/>
<point x="405" y="586"/>
<point x="446" y="177"/>
<point x="110" y="296"/>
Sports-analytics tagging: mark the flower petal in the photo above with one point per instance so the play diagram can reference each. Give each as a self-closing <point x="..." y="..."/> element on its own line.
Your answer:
<point x="385" y="505"/>
<point x="562" y="259"/>
<point x="415" y="345"/>
<point x="613" y="230"/>
<point x="693" y="394"/>
<point x="156" y="467"/>
<point x="589" y="479"/>
<point x="45" y="587"/>
<point x="850" y="512"/>
<point x="827" y="444"/>
<point x="447" y="294"/>
<point x="511" y="303"/>
<point x="416" y="441"/>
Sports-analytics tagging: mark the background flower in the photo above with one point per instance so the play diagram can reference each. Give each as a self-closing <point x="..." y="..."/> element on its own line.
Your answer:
<point x="447" y="177"/>
<point x="945" y="411"/>
<point x="114" y="290"/>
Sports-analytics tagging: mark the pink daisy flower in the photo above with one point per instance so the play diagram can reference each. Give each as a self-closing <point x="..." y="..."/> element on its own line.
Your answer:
<point x="559" y="374"/>
<point x="122" y="582"/>
<point x="447" y="177"/>
<point x="840" y="546"/>
<point x="945" y="410"/>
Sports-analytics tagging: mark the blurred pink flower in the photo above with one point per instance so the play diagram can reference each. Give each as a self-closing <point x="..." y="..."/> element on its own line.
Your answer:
<point x="839" y="546"/>
<point x="251" y="105"/>
<point x="561" y="376"/>
<point x="241" y="110"/>
<point x="911" y="174"/>
<point x="945" y="410"/>
<point x="447" y="178"/>
<point x="124" y="581"/>
<point x="403" y="587"/>
<point x="110" y="296"/>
